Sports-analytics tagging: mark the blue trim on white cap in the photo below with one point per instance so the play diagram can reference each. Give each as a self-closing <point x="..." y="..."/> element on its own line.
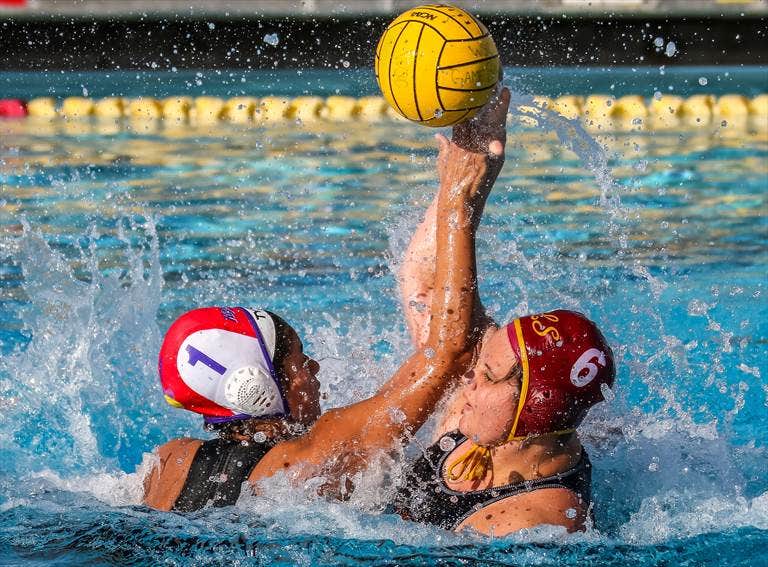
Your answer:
<point x="225" y="419"/>
<point x="267" y="358"/>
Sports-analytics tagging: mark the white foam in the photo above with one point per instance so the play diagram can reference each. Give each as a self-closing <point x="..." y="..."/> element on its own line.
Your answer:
<point x="678" y="515"/>
<point x="112" y="488"/>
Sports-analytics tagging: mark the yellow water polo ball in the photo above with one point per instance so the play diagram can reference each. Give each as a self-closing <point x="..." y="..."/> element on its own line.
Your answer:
<point x="437" y="65"/>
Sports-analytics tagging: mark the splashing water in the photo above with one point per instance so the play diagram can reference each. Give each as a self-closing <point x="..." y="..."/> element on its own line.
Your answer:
<point x="62" y="395"/>
<point x="679" y="458"/>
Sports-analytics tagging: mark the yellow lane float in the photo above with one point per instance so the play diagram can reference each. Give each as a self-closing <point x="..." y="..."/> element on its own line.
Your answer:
<point x="239" y="110"/>
<point x="630" y="112"/>
<point x="43" y="108"/>
<point x="372" y="108"/>
<point x="339" y="108"/>
<point x="207" y="110"/>
<point x="76" y="108"/>
<point x="272" y="109"/>
<point x="305" y="108"/>
<point x="110" y="108"/>
<point x="697" y="110"/>
<point x="598" y="112"/>
<point x="733" y="110"/>
<point x="664" y="111"/>
<point x="144" y="108"/>
<point x="176" y="109"/>
<point x="568" y="105"/>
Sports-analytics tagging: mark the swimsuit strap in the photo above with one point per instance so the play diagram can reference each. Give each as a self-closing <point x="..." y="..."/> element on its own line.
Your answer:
<point x="427" y="498"/>
<point x="217" y="473"/>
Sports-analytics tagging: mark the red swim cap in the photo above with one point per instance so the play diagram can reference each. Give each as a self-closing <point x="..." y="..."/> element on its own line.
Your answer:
<point x="565" y="361"/>
<point x="218" y="362"/>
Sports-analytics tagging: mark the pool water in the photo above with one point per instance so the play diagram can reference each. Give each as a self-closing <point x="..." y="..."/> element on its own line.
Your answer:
<point x="106" y="237"/>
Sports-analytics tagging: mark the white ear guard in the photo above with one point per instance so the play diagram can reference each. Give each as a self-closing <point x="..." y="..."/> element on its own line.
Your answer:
<point x="251" y="390"/>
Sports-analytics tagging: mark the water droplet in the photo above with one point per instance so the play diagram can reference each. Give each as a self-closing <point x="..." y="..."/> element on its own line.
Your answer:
<point x="211" y="26"/>
<point x="429" y="353"/>
<point x="438" y="113"/>
<point x="454" y="499"/>
<point x="259" y="437"/>
<point x="703" y="81"/>
<point x="607" y="393"/>
<point x="658" y="42"/>
<point x="396" y="415"/>
<point x="272" y="39"/>
<point x="697" y="307"/>
<point x="345" y="64"/>
<point x="218" y="478"/>
<point x="657" y="95"/>
<point x="447" y="444"/>
<point x="570" y="513"/>
<point x="671" y="49"/>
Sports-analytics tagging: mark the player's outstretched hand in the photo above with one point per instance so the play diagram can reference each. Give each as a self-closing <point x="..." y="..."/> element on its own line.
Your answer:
<point x="475" y="155"/>
<point x="486" y="132"/>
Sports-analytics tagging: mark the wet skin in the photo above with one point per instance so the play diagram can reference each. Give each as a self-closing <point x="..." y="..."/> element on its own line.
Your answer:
<point x="303" y="389"/>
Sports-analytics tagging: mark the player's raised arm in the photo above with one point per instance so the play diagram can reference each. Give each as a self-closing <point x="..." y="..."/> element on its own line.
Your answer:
<point x="416" y="276"/>
<point x="347" y="437"/>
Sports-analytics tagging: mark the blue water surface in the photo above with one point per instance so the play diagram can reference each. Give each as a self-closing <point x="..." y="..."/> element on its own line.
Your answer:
<point x="107" y="235"/>
<point x="748" y="80"/>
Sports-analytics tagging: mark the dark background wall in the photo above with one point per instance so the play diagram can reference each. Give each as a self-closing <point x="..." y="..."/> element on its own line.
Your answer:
<point x="182" y="43"/>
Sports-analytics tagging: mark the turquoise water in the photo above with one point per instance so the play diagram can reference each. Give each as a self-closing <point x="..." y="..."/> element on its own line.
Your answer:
<point x="106" y="237"/>
<point x="749" y="80"/>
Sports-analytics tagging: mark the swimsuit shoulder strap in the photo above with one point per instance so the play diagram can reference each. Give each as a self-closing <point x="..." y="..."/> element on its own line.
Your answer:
<point x="217" y="473"/>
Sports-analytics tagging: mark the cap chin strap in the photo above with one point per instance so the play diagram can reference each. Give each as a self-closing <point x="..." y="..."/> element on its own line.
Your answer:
<point x="478" y="460"/>
<point x="474" y="464"/>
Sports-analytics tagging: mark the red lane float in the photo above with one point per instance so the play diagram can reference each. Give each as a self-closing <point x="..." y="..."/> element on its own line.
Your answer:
<point x="12" y="108"/>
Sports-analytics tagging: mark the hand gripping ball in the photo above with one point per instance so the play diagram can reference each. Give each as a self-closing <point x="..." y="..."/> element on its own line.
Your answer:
<point x="437" y="65"/>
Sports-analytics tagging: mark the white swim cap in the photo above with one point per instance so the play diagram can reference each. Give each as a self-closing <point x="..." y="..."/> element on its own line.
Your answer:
<point x="218" y="362"/>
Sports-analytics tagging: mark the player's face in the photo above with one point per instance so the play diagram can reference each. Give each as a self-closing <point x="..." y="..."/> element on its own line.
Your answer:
<point x="492" y="394"/>
<point x="303" y="391"/>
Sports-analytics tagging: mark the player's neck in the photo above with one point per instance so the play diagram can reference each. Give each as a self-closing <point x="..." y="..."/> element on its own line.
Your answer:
<point x="534" y="458"/>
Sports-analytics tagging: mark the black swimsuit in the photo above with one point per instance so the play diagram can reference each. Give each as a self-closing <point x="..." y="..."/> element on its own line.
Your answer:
<point x="217" y="473"/>
<point x="425" y="497"/>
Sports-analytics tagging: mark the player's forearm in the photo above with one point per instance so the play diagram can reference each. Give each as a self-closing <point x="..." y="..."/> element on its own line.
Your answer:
<point x="403" y="405"/>
<point x="415" y="390"/>
<point x="453" y="300"/>
<point x="417" y="273"/>
<point x="417" y="277"/>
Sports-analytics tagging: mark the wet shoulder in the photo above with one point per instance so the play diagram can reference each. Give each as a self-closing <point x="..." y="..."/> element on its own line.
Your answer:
<point x="281" y="457"/>
<point x="166" y="479"/>
<point x="554" y="506"/>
